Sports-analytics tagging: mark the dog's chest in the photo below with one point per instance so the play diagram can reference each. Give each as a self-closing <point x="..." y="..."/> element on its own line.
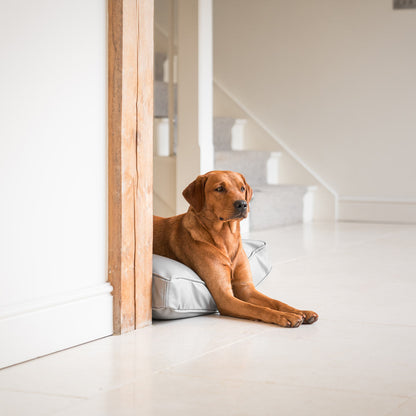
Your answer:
<point x="229" y="244"/>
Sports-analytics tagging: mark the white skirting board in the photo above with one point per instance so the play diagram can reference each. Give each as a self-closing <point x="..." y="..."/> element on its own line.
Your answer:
<point x="37" y="328"/>
<point x="377" y="210"/>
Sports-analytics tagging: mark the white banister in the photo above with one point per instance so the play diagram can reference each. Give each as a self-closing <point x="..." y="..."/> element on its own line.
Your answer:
<point x="171" y="89"/>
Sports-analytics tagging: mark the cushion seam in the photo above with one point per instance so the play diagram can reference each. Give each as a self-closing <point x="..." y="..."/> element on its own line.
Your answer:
<point x="183" y="310"/>
<point x="257" y="249"/>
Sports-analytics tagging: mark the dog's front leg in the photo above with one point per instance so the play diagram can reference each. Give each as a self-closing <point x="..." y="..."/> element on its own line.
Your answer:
<point x="217" y="277"/>
<point x="243" y="288"/>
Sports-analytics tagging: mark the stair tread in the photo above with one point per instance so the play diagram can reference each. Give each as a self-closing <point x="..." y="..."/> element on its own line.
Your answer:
<point x="158" y="69"/>
<point x="222" y="133"/>
<point x="220" y="118"/>
<point x="239" y="153"/>
<point x="269" y="187"/>
<point x="161" y="93"/>
<point x="251" y="163"/>
<point x="276" y="205"/>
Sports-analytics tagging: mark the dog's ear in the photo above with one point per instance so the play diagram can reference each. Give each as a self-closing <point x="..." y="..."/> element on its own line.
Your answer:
<point x="194" y="193"/>
<point x="249" y="191"/>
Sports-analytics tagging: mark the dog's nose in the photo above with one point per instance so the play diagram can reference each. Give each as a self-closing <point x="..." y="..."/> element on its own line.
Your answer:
<point x="241" y="205"/>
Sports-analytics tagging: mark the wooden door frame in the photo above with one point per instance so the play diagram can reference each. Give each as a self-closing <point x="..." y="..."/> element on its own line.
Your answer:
<point x="130" y="161"/>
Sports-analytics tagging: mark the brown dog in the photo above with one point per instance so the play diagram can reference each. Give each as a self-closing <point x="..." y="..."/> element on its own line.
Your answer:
<point x="207" y="239"/>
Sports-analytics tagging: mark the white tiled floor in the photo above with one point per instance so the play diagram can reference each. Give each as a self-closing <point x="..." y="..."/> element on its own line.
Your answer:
<point x="358" y="359"/>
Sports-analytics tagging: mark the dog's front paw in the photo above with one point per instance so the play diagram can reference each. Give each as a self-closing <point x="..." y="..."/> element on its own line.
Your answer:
<point x="290" y="320"/>
<point x="309" y="317"/>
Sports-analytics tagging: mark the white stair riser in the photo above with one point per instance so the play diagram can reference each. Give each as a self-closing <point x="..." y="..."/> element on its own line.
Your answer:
<point x="166" y="70"/>
<point x="237" y="134"/>
<point x="308" y="204"/>
<point x="273" y="168"/>
<point x="161" y="137"/>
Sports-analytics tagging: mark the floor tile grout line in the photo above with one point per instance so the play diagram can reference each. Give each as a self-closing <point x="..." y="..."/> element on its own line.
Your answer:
<point x="168" y="368"/>
<point x="305" y="386"/>
<point x="336" y="249"/>
<point x="172" y="366"/>
<point x="212" y="350"/>
<point x="135" y="379"/>
<point x="394" y="411"/>
<point x="160" y="370"/>
<point x="24" y="391"/>
<point x="370" y="323"/>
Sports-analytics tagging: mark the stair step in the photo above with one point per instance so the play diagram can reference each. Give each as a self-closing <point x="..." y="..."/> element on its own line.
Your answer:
<point x="251" y="163"/>
<point x="229" y="133"/>
<point x="160" y="58"/>
<point x="161" y="98"/>
<point x="222" y="133"/>
<point x="276" y="205"/>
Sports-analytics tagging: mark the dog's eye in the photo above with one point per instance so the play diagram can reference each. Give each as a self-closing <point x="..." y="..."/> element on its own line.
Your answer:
<point x="220" y="189"/>
<point x="243" y="189"/>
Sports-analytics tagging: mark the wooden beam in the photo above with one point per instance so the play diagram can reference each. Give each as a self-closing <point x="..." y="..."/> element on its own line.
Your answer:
<point x="144" y="161"/>
<point x="130" y="113"/>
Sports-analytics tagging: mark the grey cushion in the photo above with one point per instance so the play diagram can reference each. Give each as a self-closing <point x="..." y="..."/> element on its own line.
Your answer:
<point x="178" y="292"/>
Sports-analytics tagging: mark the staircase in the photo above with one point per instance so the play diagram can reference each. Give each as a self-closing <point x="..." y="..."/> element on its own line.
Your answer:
<point x="273" y="204"/>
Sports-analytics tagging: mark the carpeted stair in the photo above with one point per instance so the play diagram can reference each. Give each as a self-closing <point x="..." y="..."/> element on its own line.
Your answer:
<point x="272" y="205"/>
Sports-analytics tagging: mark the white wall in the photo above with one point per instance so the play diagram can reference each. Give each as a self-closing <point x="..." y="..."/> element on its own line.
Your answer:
<point x="52" y="175"/>
<point x="335" y="82"/>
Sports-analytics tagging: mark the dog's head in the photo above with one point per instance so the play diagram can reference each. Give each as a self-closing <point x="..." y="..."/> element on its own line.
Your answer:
<point x="221" y="195"/>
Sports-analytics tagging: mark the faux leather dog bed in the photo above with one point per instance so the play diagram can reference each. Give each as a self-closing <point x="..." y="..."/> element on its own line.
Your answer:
<point x="178" y="292"/>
